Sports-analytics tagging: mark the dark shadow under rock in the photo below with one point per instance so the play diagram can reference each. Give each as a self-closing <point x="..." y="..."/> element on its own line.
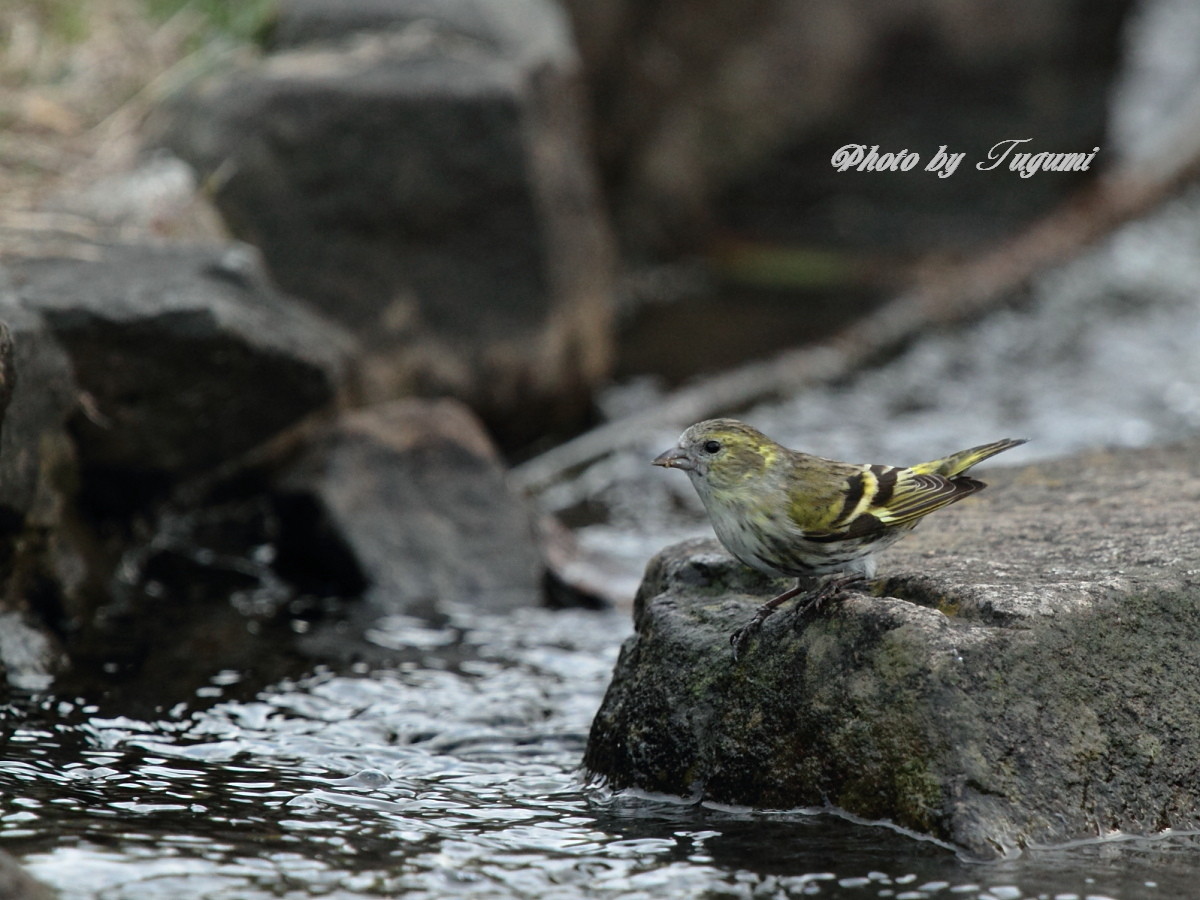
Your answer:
<point x="1039" y="682"/>
<point x="42" y="569"/>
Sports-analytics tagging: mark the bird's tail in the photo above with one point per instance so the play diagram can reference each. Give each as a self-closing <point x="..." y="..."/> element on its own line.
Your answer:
<point x="957" y="463"/>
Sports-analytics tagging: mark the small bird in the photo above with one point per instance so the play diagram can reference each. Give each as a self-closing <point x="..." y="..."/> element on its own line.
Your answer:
<point x="787" y="513"/>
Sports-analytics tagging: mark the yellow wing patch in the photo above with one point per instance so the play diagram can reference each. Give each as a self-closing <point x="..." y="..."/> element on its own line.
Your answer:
<point x="880" y="497"/>
<point x="917" y="494"/>
<point x="876" y="498"/>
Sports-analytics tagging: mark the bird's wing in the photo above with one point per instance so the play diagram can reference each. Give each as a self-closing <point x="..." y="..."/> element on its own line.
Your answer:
<point x="879" y="497"/>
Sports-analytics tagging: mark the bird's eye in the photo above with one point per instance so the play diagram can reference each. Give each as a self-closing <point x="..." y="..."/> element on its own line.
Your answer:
<point x="712" y="446"/>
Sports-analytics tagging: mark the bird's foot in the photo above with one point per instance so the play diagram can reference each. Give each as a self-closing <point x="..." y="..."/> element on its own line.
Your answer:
<point x="740" y="637"/>
<point x="812" y="601"/>
<point x="827" y="590"/>
<point x="831" y="588"/>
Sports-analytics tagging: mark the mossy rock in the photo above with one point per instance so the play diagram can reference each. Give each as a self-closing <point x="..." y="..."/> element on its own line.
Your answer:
<point x="1030" y="674"/>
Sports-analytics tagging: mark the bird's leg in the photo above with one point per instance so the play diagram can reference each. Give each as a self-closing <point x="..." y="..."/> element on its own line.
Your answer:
<point x="828" y="589"/>
<point x="738" y="638"/>
<point x="813" y="600"/>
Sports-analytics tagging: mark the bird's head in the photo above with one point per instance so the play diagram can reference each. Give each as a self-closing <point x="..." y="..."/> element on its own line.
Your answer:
<point x="720" y="454"/>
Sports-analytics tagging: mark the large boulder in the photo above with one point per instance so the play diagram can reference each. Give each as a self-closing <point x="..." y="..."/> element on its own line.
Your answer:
<point x="186" y="356"/>
<point x="427" y="185"/>
<point x="125" y="371"/>
<point x="409" y="499"/>
<point x="1028" y="673"/>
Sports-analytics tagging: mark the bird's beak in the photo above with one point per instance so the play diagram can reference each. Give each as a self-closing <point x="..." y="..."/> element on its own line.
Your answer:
<point x="675" y="458"/>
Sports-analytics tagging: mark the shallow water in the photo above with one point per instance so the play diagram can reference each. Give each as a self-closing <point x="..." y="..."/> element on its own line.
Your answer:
<point x="454" y="775"/>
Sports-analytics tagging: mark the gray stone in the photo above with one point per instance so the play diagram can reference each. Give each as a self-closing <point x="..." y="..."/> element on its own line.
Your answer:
<point x="415" y="492"/>
<point x="428" y="186"/>
<point x="186" y="357"/>
<point x="17" y="884"/>
<point x="30" y="656"/>
<point x="511" y="27"/>
<point x="1028" y="673"/>
<point x="36" y="456"/>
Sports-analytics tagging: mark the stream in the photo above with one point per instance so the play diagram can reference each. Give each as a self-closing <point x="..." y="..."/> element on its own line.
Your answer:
<point x="452" y="773"/>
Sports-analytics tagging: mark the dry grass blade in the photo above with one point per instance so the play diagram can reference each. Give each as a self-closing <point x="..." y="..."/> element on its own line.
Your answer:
<point x="77" y="78"/>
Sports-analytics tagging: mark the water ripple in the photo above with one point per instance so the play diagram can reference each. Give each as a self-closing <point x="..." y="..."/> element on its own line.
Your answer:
<point x="453" y="778"/>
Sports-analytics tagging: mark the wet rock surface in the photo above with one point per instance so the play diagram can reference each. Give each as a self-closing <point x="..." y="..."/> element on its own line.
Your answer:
<point x="427" y="186"/>
<point x="133" y="369"/>
<point x="414" y="495"/>
<point x="30" y="654"/>
<point x="1027" y="675"/>
<point x="17" y="884"/>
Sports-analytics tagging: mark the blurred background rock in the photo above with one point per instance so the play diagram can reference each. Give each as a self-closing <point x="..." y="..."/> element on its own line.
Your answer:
<point x="450" y="178"/>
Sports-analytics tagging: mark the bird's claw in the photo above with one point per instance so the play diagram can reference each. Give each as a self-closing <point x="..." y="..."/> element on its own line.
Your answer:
<point x="741" y="637"/>
<point x="830" y="590"/>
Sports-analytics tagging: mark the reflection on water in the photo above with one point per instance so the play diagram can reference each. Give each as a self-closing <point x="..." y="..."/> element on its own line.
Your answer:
<point x="452" y="776"/>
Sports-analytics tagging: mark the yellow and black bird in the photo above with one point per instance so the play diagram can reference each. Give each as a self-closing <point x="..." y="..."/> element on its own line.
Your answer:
<point x="788" y="513"/>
